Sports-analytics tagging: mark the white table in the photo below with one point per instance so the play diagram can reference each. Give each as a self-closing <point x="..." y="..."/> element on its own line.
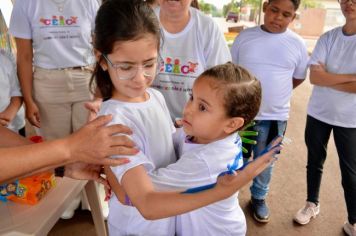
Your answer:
<point x="20" y="219"/>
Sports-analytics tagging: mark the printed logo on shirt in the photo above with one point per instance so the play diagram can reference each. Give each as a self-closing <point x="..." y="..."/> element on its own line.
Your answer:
<point x="59" y="21"/>
<point x="175" y="66"/>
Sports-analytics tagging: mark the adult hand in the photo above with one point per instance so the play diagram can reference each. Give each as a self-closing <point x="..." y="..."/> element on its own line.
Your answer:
<point x="93" y="108"/>
<point x="83" y="171"/>
<point x="318" y="67"/>
<point x="4" y="120"/>
<point x="33" y="113"/>
<point x="95" y="143"/>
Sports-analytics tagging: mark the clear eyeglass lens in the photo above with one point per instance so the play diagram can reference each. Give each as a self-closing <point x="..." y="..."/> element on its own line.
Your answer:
<point x="128" y="71"/>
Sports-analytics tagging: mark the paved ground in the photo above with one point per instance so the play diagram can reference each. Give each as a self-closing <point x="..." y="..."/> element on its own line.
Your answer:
<point x="288" y="189"/>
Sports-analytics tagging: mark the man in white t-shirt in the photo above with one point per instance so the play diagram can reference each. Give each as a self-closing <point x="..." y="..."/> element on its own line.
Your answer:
<point x="278" y="58"/>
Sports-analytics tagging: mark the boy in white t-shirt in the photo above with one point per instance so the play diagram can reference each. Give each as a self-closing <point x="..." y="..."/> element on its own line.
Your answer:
<point x="278" y="58"/>
<point x="11" y="110"/>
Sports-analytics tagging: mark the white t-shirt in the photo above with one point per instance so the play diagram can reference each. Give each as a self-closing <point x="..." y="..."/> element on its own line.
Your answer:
<point x="275" y="59"/>
<point x="199" y="46"/>
<point x="199" y="165"/>
<point x="9" y="87"/>
<point x="152" y="133"/>
<point x="60" y="39"/>
<point x="338" y="53"/>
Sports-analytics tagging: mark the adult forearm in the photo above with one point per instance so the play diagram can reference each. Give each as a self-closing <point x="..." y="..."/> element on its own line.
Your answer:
<point x="13" y="107"/>
<point x="20" y="161"/>
<point x="24" y="67"/>
<point x="346" y="87"/>
<point x="326" y="79"/>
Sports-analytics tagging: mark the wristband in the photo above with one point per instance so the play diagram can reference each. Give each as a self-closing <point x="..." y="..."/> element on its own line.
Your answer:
<point x="59" y="171"/>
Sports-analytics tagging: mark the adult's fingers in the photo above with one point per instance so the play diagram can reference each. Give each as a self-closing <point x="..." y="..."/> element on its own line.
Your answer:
<point x="122" y="150"/>
<point x="34" y="120"/>
<point x="118" y="129"/>
<point x="4" y="122"/>
<point x="114" y="161"/>
<point x="121" y="140"/>
<point x="101" y="120"/>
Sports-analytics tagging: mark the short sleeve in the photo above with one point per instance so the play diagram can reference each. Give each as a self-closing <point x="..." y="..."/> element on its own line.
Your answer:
<point x="20" y="26"/>
<point x="320" y="52"/>
<point x="300" y="71"/>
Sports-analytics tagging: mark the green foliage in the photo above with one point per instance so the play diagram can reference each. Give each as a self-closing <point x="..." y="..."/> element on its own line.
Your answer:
<point x="233" y="6"/>
<point x="310" y="4"/>
<point x="208" y="8"/>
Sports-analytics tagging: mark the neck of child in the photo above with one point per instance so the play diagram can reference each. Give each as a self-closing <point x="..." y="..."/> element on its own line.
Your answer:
<point x="349" y="28"/>
<point x="264" y="28"/>
<point x="201" y="140"/>
<point x="123" y="98"/>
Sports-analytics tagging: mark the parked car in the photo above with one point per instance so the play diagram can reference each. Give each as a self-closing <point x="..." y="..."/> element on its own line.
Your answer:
<point x="232" y="16"/>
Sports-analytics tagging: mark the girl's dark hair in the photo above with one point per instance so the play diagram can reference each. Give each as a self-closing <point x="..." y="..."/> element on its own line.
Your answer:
<point x="241" y="91"/>
<point x="120" y="20"/>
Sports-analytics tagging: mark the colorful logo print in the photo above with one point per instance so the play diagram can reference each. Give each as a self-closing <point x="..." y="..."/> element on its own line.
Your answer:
<point x="59" y="21"/>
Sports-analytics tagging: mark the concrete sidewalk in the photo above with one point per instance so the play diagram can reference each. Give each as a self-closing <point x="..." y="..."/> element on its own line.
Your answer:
<point x="288" y="189"/>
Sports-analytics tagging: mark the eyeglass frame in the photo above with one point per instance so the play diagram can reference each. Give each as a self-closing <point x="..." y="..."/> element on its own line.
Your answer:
<point x="346" y="1"/>
<point x="142" y="67"/>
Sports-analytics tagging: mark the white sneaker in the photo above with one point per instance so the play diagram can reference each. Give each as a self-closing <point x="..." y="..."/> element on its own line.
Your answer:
<point x="350" y="229"/>
<point x="69" y="212"/>
<point x="303" y="216"/>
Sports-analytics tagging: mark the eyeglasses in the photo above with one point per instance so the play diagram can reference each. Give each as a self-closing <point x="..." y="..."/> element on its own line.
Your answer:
<point x="127" y="71"/>
<point x="346" y="1"/>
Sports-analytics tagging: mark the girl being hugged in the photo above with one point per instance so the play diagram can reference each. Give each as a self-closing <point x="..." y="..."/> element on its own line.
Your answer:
<point x="127" y="58"/>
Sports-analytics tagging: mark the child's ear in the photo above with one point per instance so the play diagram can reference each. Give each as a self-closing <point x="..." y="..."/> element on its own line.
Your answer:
<point x="264" y="7"/>
<point x="234" y="124"/>
<point x="101" y="62"/>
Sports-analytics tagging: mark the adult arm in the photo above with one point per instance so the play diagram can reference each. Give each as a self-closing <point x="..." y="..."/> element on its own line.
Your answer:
<point x="345" y="87"/>
<point x="321" y="77"/>
<point x="25" y="74"/>
<point x="92" y="144"/>
<point x="11" y="110"/>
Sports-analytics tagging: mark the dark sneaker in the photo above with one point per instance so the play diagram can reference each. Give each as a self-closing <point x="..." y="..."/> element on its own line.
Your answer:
<point x="260" y="210"/>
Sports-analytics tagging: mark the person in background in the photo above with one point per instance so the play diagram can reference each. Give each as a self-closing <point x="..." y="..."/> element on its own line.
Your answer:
<point x="278" y="58"/>
<point x="332" y="107"/>
<point x="195" y="4"/>
<point x="192" y="43"/>
<point x="12" y="114"/>
<point x="54" y="63"/>
<point x="83" y="152"/>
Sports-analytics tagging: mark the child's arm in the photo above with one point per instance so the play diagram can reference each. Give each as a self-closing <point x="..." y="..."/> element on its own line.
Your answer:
<point x="7" y="115"/>
<point x="155" y="205"/>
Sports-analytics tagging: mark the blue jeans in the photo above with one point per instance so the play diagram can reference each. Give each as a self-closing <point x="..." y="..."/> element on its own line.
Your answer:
<point x="267" y="131"/>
